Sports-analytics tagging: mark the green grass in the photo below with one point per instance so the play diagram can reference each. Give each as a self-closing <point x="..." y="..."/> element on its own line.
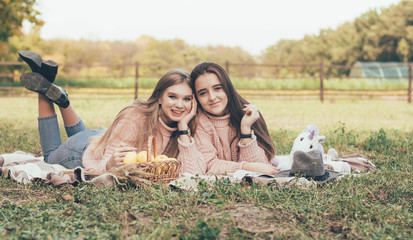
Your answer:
<point x="371" y="206"/>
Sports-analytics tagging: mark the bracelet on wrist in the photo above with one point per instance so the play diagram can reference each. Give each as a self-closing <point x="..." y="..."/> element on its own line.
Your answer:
<point x="251" y="135"/>
<point x="184" y="132"/>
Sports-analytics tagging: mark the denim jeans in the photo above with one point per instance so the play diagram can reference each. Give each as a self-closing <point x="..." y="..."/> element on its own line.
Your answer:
<point x="70" y="153"/>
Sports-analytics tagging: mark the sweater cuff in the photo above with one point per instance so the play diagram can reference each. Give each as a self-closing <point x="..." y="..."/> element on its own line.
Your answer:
<point x="242" y="165"/>
<point x="186" y="145"/>
<point x="249" y="149"/>
<point x="190" y="158"/>
<point x="242" y="145"/>
<point x="103" y="166"/>
<point x="187" y="150"/>
<point x="235" y="167"/>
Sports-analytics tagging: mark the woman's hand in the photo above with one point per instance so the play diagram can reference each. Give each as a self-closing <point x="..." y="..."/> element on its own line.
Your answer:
<point x="251" y="115"/>
<point x="117" y="158"/>
<point x="183" y="124"/>
<point x="260" y="168"/>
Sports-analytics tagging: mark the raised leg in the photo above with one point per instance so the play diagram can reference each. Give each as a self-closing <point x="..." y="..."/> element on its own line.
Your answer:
<point x="73" y="123"/>
<point x="46" y="107"/>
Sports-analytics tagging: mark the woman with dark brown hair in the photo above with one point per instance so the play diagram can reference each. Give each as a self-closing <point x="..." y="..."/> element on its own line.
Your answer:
<point x="230" y="134"/>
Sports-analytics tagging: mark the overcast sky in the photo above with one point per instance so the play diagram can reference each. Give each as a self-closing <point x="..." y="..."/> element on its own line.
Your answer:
<point x="252" y="25"/>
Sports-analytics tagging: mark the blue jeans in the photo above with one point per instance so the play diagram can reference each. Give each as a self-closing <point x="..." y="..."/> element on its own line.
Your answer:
<point x="70" y="153"/>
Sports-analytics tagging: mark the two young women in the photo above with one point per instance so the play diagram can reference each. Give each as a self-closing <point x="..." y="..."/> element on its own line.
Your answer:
<point x="223" y="140"/>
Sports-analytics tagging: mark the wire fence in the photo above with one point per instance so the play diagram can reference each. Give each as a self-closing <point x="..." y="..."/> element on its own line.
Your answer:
<point x="319" y="72"/>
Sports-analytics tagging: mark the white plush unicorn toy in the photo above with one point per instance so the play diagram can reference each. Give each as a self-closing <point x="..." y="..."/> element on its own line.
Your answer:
<point x="310" y="140"/>
<point x="307" y="141"/>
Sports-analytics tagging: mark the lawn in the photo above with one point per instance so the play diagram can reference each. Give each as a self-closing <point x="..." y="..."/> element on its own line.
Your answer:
<point x="371" y="206"/>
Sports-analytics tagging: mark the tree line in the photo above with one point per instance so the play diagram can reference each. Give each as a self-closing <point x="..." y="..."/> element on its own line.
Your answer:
<point x="377" y="35"/>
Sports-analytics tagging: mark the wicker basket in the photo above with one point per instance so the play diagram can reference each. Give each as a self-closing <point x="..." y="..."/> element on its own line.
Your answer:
<point x="147" y="172"/>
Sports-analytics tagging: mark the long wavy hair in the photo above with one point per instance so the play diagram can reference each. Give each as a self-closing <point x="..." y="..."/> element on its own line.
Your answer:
<point x="151" y="111"/>
<point x="235" y="106"/>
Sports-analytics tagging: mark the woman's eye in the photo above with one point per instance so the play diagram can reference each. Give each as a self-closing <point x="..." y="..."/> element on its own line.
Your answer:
<point x="187" y="99"/>
<point x="201" y="94"/>
<point x="218" y="88"/>
<point x="173" y="97"/>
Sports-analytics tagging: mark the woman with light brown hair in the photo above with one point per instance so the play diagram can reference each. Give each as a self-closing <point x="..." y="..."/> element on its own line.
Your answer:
<point x="231" y="133"/>
<point x="97" y="150"/>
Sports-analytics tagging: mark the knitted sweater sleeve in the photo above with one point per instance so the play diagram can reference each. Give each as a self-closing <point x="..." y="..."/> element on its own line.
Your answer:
<point x="201" y="156"/>
<point x="124" y="133"/>
<point x="191" y="159"/>
<point x="252" y="152"/>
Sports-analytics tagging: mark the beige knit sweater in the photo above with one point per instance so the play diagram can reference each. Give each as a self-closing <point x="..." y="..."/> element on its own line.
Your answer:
<point x="211" y="151"/>
<point x="126" y="132"/>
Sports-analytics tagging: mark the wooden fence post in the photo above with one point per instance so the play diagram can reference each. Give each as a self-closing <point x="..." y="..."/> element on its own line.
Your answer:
<point x="321" y="81"/>
<point x="136" y="79"/>
<point x="409" y="90"/>
<point x="227" y="67"/>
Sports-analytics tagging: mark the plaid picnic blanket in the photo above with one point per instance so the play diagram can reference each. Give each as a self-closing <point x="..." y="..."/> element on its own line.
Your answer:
<point x="25" y="167"/>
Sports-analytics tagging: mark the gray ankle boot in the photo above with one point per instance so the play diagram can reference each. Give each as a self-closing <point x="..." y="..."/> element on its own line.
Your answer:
<point x="37" y="83"/>
<point x="47" y="69"/>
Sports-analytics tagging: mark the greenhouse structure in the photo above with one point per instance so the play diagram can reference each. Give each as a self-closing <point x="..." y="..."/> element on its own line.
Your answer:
<point x="380" y="70"/>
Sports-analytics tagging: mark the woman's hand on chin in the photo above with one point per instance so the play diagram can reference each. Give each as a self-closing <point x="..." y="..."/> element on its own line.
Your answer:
<point x="183" y="124"/>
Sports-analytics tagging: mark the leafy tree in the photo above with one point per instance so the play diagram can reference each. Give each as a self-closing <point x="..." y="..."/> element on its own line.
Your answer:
<point x="377" y="35"/>
<point x="12" y="15"/>
<point x="403" y="49"/>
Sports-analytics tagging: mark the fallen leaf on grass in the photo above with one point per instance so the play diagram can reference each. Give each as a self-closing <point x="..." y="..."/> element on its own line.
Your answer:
<point x="365" y="203"/>
<point x="398" y="208"/>
<point x="67" y="197"/>
<point x="125" y="231"/>
<point x="3" y="203"/>
<point x="68" y="214"/>
<point x="381" y="195"/>
<point x="326" y="214"/>
<point x="315" y="234"/>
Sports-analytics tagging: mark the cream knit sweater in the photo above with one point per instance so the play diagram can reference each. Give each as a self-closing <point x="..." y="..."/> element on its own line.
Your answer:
<point x="125" y="132"/>
<point x="211" y="151"/>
